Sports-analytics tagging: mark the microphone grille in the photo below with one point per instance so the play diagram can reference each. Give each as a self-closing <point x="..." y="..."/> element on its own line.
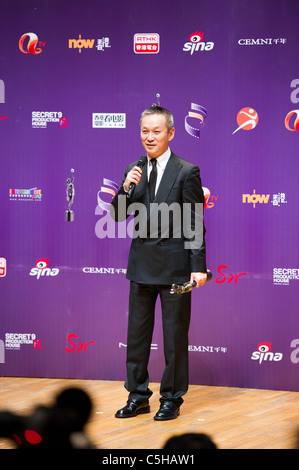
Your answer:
<point x="142" y="160"/>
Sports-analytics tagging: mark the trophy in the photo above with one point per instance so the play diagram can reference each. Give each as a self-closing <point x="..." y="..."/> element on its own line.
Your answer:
<point x="183" y="288"/>
<point x="70" y="193"/>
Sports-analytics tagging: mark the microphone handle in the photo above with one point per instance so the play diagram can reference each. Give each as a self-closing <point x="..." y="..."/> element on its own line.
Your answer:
<point x="132" y="186"/>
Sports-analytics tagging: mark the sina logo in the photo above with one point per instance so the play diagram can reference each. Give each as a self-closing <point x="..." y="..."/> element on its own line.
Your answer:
<point x="196" y="43"/>
<point x="264" y="353"/>
<point x="42" y="269"/>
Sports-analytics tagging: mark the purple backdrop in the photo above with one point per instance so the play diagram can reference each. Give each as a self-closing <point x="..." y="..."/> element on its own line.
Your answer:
<point x="74" y="78"/>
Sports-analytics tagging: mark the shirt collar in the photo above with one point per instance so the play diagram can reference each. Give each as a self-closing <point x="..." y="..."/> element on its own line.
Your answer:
<point x="163" y="159"/>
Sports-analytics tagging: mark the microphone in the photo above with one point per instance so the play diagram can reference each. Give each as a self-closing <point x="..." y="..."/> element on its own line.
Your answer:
<point x="183" y="288"/>
<point x="141" y="162"/>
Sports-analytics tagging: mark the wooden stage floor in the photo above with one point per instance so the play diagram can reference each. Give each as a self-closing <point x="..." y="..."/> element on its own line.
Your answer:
<point x="234" y="418"/>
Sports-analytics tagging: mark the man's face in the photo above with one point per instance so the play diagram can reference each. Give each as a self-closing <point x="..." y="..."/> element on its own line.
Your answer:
<point x="154" y="134"/>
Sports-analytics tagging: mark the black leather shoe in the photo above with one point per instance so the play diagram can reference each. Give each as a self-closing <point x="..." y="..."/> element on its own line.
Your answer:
<point x="168" y="410"/>
<point x="133" y="408"/>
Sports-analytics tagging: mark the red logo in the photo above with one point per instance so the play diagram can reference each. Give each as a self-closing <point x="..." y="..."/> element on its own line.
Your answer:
<point x="207" y="195"/>
<point x="29" y="47"/>
<point x="146" y="43"/>
<point x="2" y="267"/>
<point x="42" y="263"/>
<point x="77" y="346"/>
<point x="264" y="347"/>
<point x="247" y="119"/>
<point x="295" y="120"/>
<point x="196" y="37"/>
<point x="227" y="277"/>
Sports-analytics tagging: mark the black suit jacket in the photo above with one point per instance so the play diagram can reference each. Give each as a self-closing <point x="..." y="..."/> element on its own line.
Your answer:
<point x="159" y="257"/>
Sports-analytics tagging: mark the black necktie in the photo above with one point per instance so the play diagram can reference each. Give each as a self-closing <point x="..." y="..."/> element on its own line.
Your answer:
<point x="153" y="179"/>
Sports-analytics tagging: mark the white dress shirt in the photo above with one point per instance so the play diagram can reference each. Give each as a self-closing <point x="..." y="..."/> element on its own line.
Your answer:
<point x="161" y="165"/>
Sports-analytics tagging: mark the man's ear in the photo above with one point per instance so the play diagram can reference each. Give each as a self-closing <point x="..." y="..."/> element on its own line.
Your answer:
<point x="171" y="134"/>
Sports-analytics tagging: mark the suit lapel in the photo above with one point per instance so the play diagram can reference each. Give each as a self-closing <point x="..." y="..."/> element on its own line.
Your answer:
<point x="168" y="179"/>
<point x="170" y="173"/>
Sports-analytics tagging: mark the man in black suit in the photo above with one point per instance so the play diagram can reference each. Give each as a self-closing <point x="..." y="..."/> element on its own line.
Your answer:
<point x="161" y="254"/>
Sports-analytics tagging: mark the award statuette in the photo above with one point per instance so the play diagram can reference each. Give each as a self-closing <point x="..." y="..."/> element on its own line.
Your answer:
<point x="183" y="288"/>
<point x="70" y="193"/>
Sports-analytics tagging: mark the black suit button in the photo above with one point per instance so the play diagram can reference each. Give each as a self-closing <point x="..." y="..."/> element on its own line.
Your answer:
<point x="161" y="243"/>
<point x="141" y="240"/>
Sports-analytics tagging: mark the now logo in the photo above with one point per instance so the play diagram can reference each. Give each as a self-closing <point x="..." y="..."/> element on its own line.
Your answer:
<point x="255" y="198"/>
<point x="80" y="43"/>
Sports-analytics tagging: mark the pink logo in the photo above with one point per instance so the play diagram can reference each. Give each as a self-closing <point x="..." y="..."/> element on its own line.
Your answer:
<point x="77" y="346"/>
<point x="264" y="347"/>
<point x="227" y="277"/>
<point x="196" y="37"/>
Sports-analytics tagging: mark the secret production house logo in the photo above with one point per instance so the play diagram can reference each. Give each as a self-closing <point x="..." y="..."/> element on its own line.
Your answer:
<point x="196" y="43"/>
<point x="247" y="119"/>
<point x="13" y="341"/>
<point x="28" y="44"/>
<point x="42" y="269"/>
<point x="264" y="353"/>
<point x="283" y="276"/>
<point x="41" y="119"/>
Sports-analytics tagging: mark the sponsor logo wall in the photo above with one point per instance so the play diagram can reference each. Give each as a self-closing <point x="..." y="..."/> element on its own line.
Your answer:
<point x="71" y="97"/>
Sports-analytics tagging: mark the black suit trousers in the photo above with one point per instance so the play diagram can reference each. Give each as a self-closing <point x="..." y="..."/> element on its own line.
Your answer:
<point x="176" y="310"/>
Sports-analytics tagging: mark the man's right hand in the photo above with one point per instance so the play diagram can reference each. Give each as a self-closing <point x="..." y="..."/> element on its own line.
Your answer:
<point x="132" y="177"/>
